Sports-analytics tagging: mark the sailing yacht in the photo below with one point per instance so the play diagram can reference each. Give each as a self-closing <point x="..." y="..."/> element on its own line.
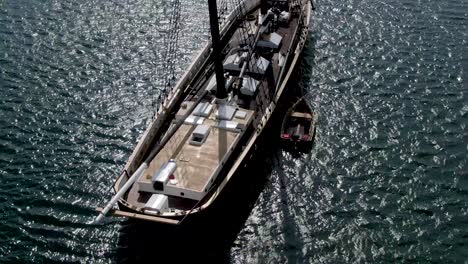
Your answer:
<point x="212" y="119"/>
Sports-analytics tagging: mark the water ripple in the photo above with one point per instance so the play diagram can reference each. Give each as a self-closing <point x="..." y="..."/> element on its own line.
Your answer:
<point x="76" y="91"/>
<point x="385" y="182"/>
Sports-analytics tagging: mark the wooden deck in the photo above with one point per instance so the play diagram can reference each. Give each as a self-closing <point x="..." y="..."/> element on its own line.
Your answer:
<point x="197" y="166"/>
<point x="197" y="163"/>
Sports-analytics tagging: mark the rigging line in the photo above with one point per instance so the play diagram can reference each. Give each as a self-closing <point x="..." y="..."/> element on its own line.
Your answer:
<point x="165" y="71"/>
<point x="153" y="62"/>
<point x="225" y="8"/>
<point x="174" y="46"/>
<point x="168" y="31"/>
<point x="222" y="8"/>
<point x="171" y="52"/>
<point x="170" y="42"/>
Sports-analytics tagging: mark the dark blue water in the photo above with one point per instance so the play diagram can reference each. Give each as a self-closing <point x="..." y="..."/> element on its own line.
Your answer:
<point x="387" y="180"/>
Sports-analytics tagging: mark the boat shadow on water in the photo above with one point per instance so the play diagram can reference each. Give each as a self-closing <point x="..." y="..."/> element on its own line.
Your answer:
<point x="208" y="237"/>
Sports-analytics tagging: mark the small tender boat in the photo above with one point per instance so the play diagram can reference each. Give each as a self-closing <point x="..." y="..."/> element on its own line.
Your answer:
<point x="299" y="123"/>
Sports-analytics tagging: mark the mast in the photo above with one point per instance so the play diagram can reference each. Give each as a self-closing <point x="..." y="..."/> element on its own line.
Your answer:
<point x="263" y="7"/>
<point x="214" y="26"/>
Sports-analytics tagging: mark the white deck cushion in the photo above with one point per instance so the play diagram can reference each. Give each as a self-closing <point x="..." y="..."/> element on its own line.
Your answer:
<point x="228" y="125"/>
<point x="194" y="120"/>
<point x="203" y="109"/>
<point x="241" y="114"/>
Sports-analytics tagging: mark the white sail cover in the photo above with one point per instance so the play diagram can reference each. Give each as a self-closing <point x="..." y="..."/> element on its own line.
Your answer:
<point x="203" y="109"/>
<point x="234" y="62"/>
<point x="249" y="86"/>
<point x="270" y="41"/>
<point x="212" y="83"/>
<point x="260" y="66"/>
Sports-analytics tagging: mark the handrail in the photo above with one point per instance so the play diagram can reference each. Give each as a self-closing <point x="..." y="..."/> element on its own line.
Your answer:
<point x="142" y="216"/>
